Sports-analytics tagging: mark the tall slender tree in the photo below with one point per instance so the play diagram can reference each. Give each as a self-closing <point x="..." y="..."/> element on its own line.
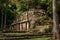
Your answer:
<point x="6" y="7"/>
<point x="1" y="19"/>
<point x="55" y="21"/>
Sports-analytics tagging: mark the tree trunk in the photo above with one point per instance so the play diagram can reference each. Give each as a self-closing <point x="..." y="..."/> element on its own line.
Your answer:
<point x="55" y="21"/>
<point x="5" y="20"/>
<point x="2" y="19"/>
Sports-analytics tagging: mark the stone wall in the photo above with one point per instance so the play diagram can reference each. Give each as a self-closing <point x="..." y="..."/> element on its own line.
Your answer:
<point x="27" y="20"/>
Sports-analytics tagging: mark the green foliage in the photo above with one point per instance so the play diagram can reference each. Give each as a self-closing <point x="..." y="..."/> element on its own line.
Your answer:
<point x="15" y="7"/>
<point x="9" y="10"/>
<point x="49" y="8"/>
<point x="59" y="10"/>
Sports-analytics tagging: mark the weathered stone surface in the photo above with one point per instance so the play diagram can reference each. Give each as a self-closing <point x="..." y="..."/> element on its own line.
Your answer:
<point x="28" y="20"/>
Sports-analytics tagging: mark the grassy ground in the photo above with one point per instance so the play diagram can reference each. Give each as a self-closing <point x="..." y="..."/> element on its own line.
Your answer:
<point x="43" y="38"/>
<point x="48" y="38"/>
<point x="30" y="39"/>
<point x="39" y="39"/>
<point x="15" y="33"/>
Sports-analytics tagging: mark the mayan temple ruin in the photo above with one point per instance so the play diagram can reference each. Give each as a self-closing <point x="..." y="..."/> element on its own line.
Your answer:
<point x="28" y="20"/>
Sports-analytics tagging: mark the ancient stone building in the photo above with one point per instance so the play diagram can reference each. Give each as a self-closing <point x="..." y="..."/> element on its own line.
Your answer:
<point x="28" y="20"/>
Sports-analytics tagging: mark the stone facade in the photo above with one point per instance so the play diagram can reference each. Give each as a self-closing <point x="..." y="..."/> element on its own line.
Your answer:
<point x="27" y="20"/>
